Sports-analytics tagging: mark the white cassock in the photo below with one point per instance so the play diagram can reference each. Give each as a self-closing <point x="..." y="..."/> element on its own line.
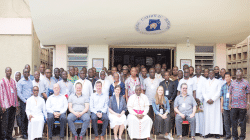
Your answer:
<point x="138" y="128"/>
<point x="212" y="113"/>
<point x="35" y="106"/>
<point x="200" y="82"/>
<point x="105" y="86"/>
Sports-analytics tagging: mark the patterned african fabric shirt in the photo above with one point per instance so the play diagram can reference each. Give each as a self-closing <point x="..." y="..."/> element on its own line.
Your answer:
<point x="130" y="85"/>
<point x="239" y="91"/>
<point x="73" y="79"/>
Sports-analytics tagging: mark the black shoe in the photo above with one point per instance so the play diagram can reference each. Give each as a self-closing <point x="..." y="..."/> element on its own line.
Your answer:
<point x="206" y="136"/>
<point x="235" y="138"/>
<point x="25" y="137"/>
<point x="241" y="138"/>
<point x="227" y="138"/>
<point x="217" y="136"/>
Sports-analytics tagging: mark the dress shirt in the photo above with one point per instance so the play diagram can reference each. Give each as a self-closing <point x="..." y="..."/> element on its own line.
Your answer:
<point x="57" y="80"/>
<point x="24" y="89"/>
<point x="66" y="87"/>
<point x="150" y="86"/>
<point x="42" y="76"/>
<point x="57" y="103"/>
<point x="35" y="83"/>
<point x="191" y="85"/>
<point x="99" y="102"/>
<point x="46" y="84"/>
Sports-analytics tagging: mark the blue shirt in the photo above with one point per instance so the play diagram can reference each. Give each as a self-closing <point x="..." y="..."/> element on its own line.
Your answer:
<point x="223" y="93"/>
<point x="112" y="88"/>
<point x="157" y="109"/>
<point x="57" y="80"/>
<point x="24" y="89"/>
<point x="99" y="103"/>
<point x="31" y="77"/>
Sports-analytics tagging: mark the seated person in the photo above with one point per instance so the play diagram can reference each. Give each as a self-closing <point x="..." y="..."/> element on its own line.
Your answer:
<point x="78" y="107"/>
<point x="117" y="109"/>
<point x="98" y="108"/>
<point x="36" y="112"/>
<point x="185" y="107"/>
<point x="139" y="123"/>
<point x="161" y="107"/>
<point x="56" y="106"/>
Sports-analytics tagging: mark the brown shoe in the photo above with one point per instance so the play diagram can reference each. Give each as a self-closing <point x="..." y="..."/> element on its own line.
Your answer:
<point x="102" y="138"/>
<point x="96" y="138"/>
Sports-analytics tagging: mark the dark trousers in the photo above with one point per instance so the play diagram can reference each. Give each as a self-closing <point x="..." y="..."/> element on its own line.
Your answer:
<point x="238" y="114"/>
<point x="8" y="118"/>
<point x="151" y="112"/>
<point x="172" y="115"/>
<point x="227" y="122"/>
<point x="51" y="120"/>
<point x="105" y="121"/>
<point x="24" y="118"/>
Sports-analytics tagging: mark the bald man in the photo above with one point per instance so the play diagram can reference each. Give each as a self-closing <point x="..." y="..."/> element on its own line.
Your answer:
<point x="56" y="107"/>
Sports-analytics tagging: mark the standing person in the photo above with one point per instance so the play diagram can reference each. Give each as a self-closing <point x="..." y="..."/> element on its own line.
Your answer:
<point x="99" y="108"/>
<point x="162" y="122"/>
<point x="190" y="82"/>
<point x="158" y="71"/>
<point x="139" y="123"/>
<point x="162" y="74"/>
<point x="212" y="112"/>
<point x="42" y="70"/>
<point x="56" y="107"/>
<point x="61" y="70"/>
<point x="85" y="71"/>
<point x="57" y="76"/>
<point x="110" y="77"/>
<point x="144" y="75"/>
<point x="130" y="83"/>
<point x="129" y="67"/>
<point x="72" y="77"/>
<point x="117" y="82"/>
<point x="117" y="109"/>
<point x="87" y="88"/>
<point x="36" y="81"/>
<point x="79" y="110"/>
<point x="217" y="72"/>
<point x="164" y="66"/>
<point x="180" y="76"/>
<point x="46" y="85"/>
<point x="105" y="83"/>
<point x="175" y="73"/>
<point x="185" y="67"/>
<point x="27" y="66"/>
<point x="36" y="113"/>
<point x="185" y="107"/>
<point x="8" y="105"/>
<point x="119" y="68"/>
<point x="206" y="71"/>
<point x="224" y="101"/>
<point x="191" y="70"/>
<point x="17" y="122"/>
<point x="95" y="73"/>
<point x="24" y="91"/>
<point x="169" y="91"/>
<point x="222" y="78"/>
<point x="125" y="74"/>
<point x="105" y="69"/>
<point x="150" y="86"/>
<point x="77" y="72"/>
<point x="91" y="77"/>
<point x="170" y="72"/>
<point x="239" y="104"/>
<point x="200" y="82"/>
<point x="66" y="87"/>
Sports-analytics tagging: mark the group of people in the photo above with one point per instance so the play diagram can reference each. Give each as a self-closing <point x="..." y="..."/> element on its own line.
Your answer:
<point x="124" y="96"/>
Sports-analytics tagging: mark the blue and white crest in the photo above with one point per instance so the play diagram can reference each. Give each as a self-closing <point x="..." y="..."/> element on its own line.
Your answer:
<point x="152" y="24"/>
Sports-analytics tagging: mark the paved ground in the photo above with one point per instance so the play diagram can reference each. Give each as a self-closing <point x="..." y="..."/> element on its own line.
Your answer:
<point x="161" y="137"/>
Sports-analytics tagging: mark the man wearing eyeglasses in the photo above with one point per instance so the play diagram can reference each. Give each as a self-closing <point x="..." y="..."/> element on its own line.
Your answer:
<point x="46" y="85"/>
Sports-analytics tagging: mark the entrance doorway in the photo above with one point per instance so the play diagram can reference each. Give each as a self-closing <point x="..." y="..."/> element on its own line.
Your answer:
<point x="143" y="56"/>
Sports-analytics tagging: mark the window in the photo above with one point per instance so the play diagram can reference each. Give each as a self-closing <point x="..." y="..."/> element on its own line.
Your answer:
<point x="204" y="56"/>
<point x="77" y="57"/>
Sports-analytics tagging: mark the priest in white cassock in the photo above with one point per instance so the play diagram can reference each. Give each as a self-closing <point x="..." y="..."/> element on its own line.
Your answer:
<point x="199" y="81"/>
<point x="105" y="83"/>
<point x="139" y="123"/>
<point x="212" y="113"/>
<point x="36" y="113"/>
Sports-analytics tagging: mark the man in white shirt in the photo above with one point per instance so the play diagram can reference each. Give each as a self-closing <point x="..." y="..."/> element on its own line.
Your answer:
<point x="42" y="70"/>
<point x="87" y="88"/>
<point x="36" y="81"/>
<point x="36" y="112"/>
<point x="190" y="82"/>
<point x="57" y="106"/>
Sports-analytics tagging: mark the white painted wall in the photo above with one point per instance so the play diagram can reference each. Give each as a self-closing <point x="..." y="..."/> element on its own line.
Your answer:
<point x="98" y="51"/>
<point x="61" y="56"/>
<point x="184" y="52"/>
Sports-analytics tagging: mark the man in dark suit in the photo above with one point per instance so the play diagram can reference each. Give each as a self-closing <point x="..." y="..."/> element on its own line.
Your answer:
<point x="170" y="93"/>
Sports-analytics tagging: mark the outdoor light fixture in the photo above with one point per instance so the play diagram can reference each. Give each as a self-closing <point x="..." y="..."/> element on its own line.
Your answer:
<point x="158" y="54"/>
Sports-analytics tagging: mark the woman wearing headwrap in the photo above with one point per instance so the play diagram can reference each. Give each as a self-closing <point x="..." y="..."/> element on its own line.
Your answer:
<point x="105" y="82"/>
<point x="116" y="82"/>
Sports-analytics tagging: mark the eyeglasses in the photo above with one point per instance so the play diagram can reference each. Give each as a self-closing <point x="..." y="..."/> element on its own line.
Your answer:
<point x="35" y="90"/>
<point x="184" y="88"/>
